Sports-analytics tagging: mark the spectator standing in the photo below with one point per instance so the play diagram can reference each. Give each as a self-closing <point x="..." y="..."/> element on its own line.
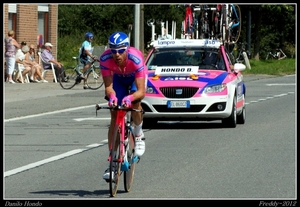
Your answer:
<point x="48" y="56"/>
<point x="11" y="46"/>
<point x="85" y="55"/>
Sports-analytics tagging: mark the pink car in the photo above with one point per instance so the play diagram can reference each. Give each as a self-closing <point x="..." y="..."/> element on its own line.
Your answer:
<point x="193" y="79"/>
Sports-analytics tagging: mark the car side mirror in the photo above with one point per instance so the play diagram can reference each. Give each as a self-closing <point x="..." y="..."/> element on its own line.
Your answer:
<point x="238" y="67"/>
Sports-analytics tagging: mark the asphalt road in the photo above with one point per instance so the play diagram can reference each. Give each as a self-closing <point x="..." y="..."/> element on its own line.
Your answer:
<point x="34" y="98"/>
<point x="62" y="155"/>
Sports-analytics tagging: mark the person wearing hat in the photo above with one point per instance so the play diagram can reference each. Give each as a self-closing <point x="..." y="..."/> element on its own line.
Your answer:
<point x="11" y="46"/>
<point x="19" y="51"/>
<point x="48" y="57"/>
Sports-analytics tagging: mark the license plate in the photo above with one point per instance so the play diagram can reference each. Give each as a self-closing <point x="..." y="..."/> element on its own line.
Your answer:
<point x="178" y="104"/>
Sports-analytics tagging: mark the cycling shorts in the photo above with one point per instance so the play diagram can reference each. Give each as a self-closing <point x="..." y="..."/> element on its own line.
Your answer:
<point x="123" y="86"/>
<point x="85" y="61"/>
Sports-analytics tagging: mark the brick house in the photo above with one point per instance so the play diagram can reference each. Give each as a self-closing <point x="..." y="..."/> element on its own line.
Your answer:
<point x="30" y="21"/>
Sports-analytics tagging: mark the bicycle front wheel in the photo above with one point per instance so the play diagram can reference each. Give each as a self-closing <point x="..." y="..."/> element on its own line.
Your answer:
<point x="67" y="78"/>
<point x="115" y="164"/>
<point x="235" y="16"/>
<point x="94" y="79"/>
<point x="129" y="175"/>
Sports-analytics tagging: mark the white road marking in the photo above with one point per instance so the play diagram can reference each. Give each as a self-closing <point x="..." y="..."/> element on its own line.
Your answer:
<point x="281" y="84"/>
<point x="91" y="118"/>
<point x="52" y="112"/>
<point x="76" y="151"/>
<point x="51" y="159"/>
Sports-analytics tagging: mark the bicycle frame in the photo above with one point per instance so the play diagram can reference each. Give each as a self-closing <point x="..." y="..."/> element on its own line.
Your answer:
<point x="278" y="55"/>
<point x="232" y="24"/>
<point x="74" y="76"/>
<point x="122" y="131"/>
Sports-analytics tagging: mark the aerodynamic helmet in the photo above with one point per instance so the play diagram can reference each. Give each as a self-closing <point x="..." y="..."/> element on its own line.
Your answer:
<point x="118" y="39"/>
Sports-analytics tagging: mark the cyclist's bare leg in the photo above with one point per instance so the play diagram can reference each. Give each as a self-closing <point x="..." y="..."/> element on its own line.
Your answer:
<point x="87" y="66"/>
<point x="137" y="118"/>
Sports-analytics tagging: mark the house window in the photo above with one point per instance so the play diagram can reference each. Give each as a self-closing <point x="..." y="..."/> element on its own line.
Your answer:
<point x="12" y="22"/>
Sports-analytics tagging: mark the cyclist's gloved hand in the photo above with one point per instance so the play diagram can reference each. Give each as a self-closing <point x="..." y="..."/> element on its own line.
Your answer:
<point x="113" y="100"/>
<point x="127" y="100"/>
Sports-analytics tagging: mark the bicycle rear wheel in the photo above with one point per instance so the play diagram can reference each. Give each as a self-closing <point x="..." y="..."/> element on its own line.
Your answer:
<point x="223" y="23"/>
<point x="235" y="16"/>
<point x="129" y="175"/>
<point x="94" y="79"/>
<point x="115" y="164"/>
<point x="67" y="78"/>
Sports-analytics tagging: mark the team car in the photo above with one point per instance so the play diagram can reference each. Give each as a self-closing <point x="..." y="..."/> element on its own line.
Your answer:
<point x="193" y="80"/>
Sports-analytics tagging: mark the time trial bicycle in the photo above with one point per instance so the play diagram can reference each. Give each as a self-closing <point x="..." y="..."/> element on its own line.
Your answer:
<point x="123" y="143"/>
<point x="73" y="76"/>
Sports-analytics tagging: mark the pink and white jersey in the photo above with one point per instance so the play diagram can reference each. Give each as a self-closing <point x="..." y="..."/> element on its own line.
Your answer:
<point x="135" y="64"/>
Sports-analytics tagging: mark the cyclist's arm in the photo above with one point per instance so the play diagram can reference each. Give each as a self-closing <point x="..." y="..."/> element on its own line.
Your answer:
<point x="87" y="52"/>
<point x="108" y="85"/>
<point x="139" y="94"/>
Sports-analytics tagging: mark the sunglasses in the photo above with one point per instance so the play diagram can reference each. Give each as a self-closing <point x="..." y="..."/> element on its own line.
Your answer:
<point x="120" y="51"/>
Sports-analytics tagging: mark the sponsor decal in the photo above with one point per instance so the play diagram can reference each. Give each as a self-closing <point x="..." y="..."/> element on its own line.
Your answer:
<point x="176" y="70"/>
<point x="210" y="42"/>
<point x="105" y="57"/>
<point x="135" y="59"/>
<point x="177" y="78"/>
<point x="165" y="42"/>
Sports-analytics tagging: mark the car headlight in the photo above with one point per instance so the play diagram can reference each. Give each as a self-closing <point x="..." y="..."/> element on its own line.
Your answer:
<point x="215" y="88"/>
<point x="150" y="89"/>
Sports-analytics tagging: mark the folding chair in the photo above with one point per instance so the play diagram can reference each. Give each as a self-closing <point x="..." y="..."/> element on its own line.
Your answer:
<point x="18" y="73"/>
<point x="46" y="69"/>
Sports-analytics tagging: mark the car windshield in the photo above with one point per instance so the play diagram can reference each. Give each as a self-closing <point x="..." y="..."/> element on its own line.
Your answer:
<point x="205" y="58"/>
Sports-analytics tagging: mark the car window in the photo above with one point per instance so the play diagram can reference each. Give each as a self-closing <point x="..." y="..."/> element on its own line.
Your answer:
<point x="202" y="57"/>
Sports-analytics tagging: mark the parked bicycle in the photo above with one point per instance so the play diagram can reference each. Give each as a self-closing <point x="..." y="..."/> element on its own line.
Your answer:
<point x="123" y="144"/>
<point x="278" y="55"/>
<point x="73" y="76"/>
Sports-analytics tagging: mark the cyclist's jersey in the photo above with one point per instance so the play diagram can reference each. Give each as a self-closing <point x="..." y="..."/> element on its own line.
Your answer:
<point x="135" y="65"/>
<point x="86" y="45"/>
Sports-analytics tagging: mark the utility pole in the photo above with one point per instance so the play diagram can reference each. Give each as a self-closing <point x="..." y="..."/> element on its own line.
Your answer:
<point x="142" y="44"/>
<point x="136" y="27"/>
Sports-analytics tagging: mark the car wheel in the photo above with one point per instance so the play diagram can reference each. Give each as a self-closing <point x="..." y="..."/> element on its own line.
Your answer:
<point x="149" y="122"/>
<point x="241" y="118"/>
<point x="232" y="119"/>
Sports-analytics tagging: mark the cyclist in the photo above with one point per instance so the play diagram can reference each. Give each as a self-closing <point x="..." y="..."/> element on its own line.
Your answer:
<point x="86" y="56"/>
<point x="123" y="68"/>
